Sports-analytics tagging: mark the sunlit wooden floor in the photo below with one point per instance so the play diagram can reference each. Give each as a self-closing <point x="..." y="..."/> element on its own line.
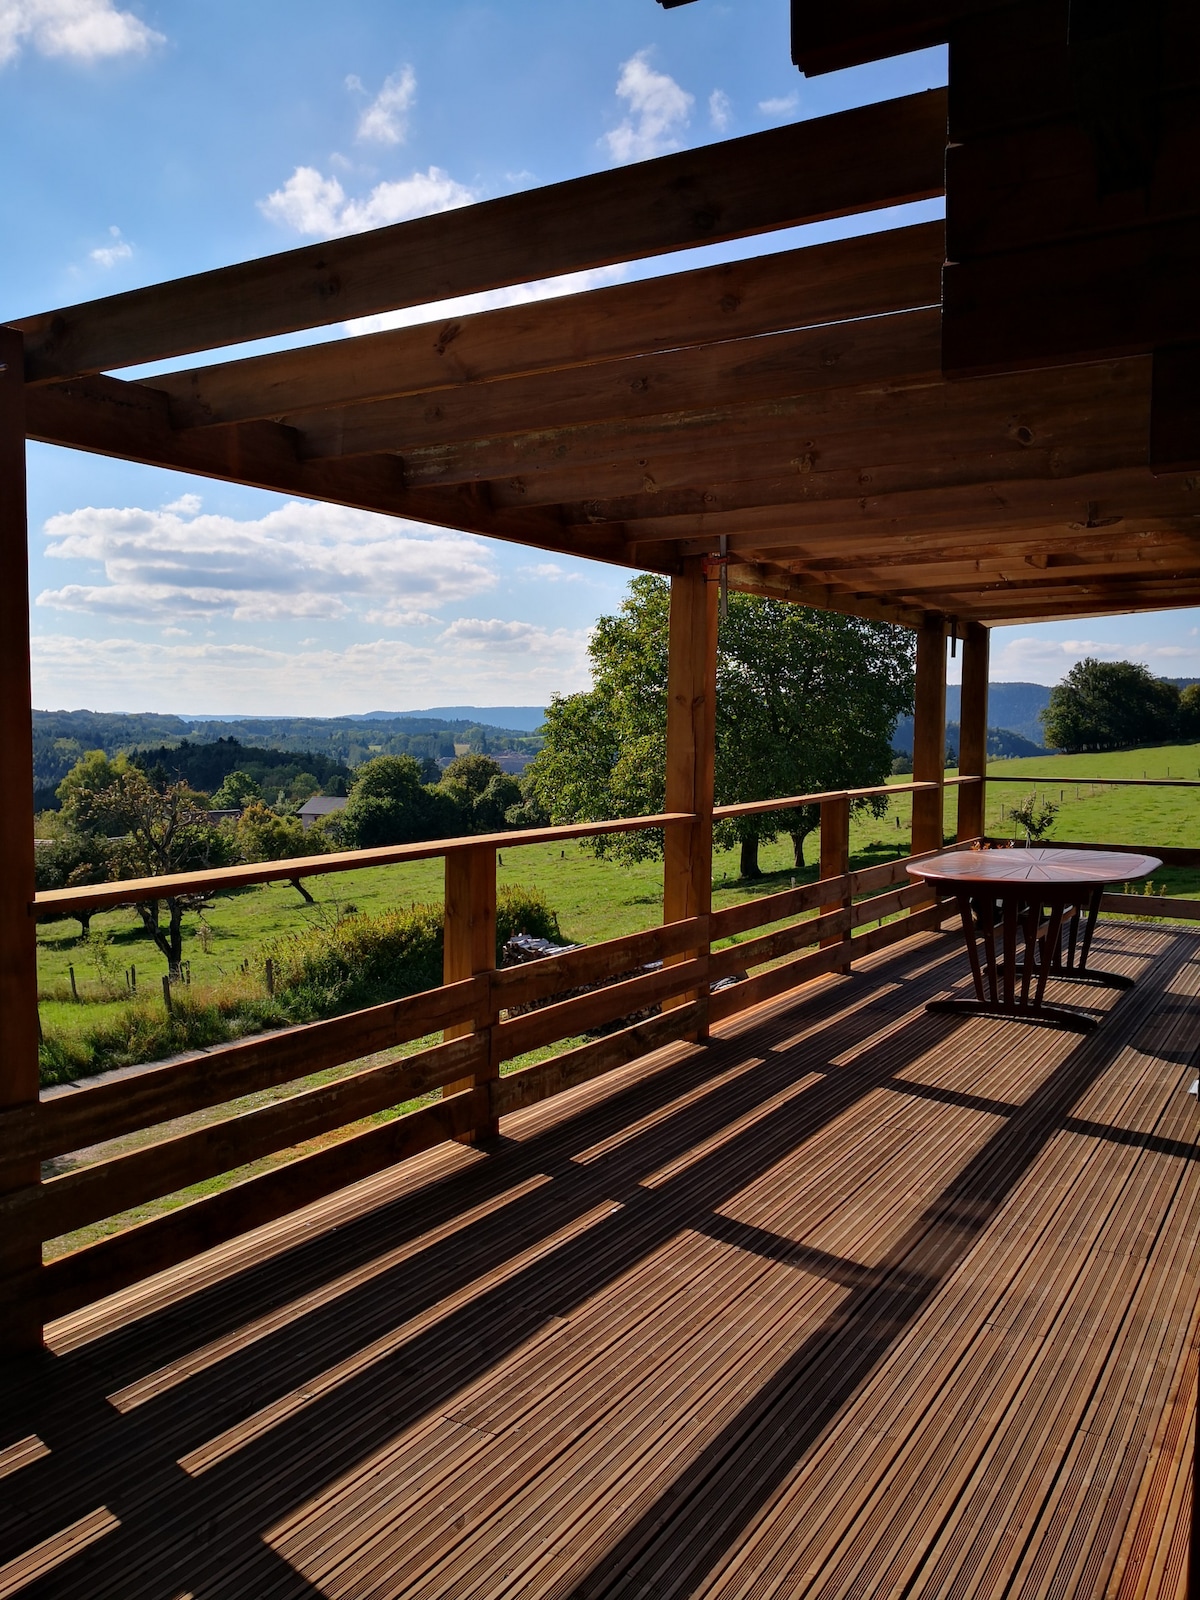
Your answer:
<point x="853" y="1301"/>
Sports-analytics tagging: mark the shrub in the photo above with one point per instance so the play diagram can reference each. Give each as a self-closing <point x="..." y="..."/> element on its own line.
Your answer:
<point x="144" y="1031"/>
<point x="360" y="960"/>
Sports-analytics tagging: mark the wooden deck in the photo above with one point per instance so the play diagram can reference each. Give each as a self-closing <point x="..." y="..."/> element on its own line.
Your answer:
<point x="854" y="1301"/>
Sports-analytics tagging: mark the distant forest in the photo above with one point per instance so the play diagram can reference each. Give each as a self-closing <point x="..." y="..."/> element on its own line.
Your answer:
<point x="283" y="748"/>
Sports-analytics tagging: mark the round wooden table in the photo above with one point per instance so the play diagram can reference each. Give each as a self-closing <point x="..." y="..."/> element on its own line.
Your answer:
<point x="1037" y="890"/>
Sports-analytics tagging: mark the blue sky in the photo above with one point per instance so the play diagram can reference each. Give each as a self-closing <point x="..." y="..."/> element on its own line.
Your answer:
<point x="159" y="139"/>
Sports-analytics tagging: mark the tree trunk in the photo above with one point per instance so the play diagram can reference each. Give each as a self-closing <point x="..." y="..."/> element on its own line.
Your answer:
<point x="169" y="940"/>
<point x="85" y="924"/>
<point x="798" y="845"/>
<point x="749" y="862"/>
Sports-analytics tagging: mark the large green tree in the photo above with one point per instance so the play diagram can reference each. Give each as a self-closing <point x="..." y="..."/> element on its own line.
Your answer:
<point x="389" y="804"/>
<point x="150" y="831"/>
<point x="806" y="701"/>
<point x="1110" y="705"/>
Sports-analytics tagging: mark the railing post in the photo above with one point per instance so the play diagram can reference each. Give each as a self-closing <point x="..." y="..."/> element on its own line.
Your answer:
<point x="972" y="732"/>
<point x="691" y="735"/>
<point x="929" y="735"/>
<point x="469" y="947"/>
<point x="835" y="861"/>
<point x="20" y="1252"/>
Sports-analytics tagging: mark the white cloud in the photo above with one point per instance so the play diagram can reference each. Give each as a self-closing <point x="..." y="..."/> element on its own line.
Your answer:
<point x="318" y="206"/>
<point x="300" y="560"/>
<point x="1046" y="660"/>
<point x="108" y="255"/>
<point x="659" y="110"/>
<point x="385" y="120"/>
<point x="550" y="572"/>
<point x="493" y="636"/>
<point x="134" y="674"/>
<point x="399" y="616"/>
<point x="720" y="110"/>
<point x="187" y="505"/>
<point x="779" y="106"/>
<point x="82" y="30"/>
<point x="465" y="305"/>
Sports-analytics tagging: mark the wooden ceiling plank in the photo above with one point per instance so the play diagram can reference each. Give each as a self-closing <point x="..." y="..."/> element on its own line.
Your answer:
<point x="867" y="276"/>
<point x="882" y="352"/>
<point x="1071" y="421"/>
<point x="774" y="507"/>
<point x="130" y="421"/>
<point x="853" y="161"/>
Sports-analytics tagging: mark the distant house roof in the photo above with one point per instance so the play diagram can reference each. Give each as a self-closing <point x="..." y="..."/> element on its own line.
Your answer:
<point x="320" y="806"/>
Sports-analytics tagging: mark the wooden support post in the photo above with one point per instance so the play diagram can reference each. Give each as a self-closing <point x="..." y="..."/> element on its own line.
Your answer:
<point x="835" y="860"/>
<point x="929" y="734"/>
<point x="469" y="946"/>
<point x="20" y="1250"/>
<point x="972" y="732"/>
<point x="691" y="735"/>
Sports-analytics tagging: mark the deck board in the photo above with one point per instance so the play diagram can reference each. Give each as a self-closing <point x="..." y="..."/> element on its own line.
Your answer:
<point x="853" y="1301"/>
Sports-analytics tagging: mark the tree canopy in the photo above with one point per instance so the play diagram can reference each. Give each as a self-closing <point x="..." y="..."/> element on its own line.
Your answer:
<point x="1110" y="705"/>
<point x="806" y="701"/>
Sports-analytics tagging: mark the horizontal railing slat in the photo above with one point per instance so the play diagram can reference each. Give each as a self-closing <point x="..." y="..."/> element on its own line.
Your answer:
<point x="111" y="1264"/>
<point x="770" y="946"/>
<point x="538" y="980"/>
<point x="519" y="1034"/>
<point x="587" y="1061"/>
<point x="815" y="964"/>
<point x="108" y="1187"/>
<point x="67" y="902"/>
<point x="105" y="1111"/>
<point x="754" y="808"/>
<point x="1151" y="905"/>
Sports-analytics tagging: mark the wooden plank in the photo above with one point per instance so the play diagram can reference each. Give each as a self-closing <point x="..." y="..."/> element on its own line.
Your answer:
<point x="972" y="731"/>
<point x="929" y="735"/>
<point x="827" y="39"/>
<point x="1069" y="421"/>
<point x="869" y="276"/>
<point x="468" y="949"/>
<point x="1151" y="905"/>
<point x="132" y="421"/>
<point x="101" y="1269"/>
<point x="690" y="753"/>
<point x="587" y="1011"/>
<point x="98" y="1112"/>
<point x="832" y="929"/>
<point x="59" y="902"/>
<point x="898" y="349"/>
<point x="751" y="808"/>
<point x="835" y="861"/>
<point x="778" y="980"/>
<point x="588" y="1061"/>
<point x="1037" y="184"/>
<point x="539" y="980"/>
<point x="1075" y="301"/>
<point x="106" y="1188"/>
<point x="879" y="155"/>
<point x="20" y="1032"/>
<point x="1175" y="409"/>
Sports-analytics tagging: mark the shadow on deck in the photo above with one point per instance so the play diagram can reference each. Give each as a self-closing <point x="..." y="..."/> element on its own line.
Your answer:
<point x="854" y="1300"/>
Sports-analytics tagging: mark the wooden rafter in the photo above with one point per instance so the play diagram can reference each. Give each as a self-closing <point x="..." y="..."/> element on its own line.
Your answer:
<point x="874" y="156"/>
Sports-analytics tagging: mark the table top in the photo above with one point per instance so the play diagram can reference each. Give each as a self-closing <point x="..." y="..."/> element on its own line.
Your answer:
<point x="1037" y="864"/>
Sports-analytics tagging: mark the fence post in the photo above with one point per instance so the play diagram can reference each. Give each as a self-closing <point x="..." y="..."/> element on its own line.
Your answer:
<point x="972" y="733"/>
<point x="835" y="862"/>
<point x="20" y="1249"/>
<point x="469" y="947"/>
<point x="691" y="735"/>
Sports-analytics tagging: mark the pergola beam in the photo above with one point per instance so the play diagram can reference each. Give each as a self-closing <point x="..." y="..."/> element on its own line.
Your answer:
<point x="880" y="155"/>
<point x="869" y="276"/>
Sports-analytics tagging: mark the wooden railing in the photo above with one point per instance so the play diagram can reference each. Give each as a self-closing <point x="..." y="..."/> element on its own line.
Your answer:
<point x="480" y="1012"/>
